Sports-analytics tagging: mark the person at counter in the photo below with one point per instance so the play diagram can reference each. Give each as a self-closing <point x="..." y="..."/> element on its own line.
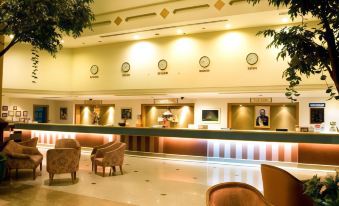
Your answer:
<point x="262" y="119"/>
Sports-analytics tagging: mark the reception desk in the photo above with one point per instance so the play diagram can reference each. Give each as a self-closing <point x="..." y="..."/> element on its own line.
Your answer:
<point x="221" y="145"/>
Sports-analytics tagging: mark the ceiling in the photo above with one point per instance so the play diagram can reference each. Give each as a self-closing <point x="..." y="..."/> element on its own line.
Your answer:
<point x="118" y="20"/>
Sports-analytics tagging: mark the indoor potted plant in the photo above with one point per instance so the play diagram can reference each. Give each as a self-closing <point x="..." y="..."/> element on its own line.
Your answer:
<point x="324" y="192"/>
<point x="3" y="159"/>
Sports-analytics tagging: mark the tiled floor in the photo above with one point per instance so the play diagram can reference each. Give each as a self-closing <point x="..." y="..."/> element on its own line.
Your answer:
<point x="146" y="182"/>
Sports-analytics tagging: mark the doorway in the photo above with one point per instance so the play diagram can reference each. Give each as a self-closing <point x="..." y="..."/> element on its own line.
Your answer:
<point x="40" y="113"/>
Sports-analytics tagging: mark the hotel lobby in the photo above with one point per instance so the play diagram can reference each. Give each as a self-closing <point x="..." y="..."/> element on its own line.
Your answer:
<point x="170" y="102"/>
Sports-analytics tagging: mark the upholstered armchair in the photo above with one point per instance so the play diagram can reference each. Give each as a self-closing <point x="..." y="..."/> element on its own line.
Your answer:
<point x="96" y="148"/>
<point x="234" y="194"/>
<point x="110" y="157"/>
<point x="30" y="143"/>
<point x="281" y="188"/>
<point x="64" y="158"/>
<point x="22" y="157"/>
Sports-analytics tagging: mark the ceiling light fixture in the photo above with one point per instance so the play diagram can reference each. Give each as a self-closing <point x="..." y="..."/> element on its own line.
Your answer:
<point x="285" y="20"/>
<point x="179" y="31"/>
<point x="136" y="37"/>
<point x="11" y="36"/>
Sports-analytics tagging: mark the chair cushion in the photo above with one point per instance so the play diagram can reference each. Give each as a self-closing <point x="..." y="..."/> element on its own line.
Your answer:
<point x="36" y="158"/>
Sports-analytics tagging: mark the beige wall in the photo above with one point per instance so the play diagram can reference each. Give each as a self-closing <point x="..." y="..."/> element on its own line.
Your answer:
<point x="54" y="73"/>
<point x="226" y="49"/>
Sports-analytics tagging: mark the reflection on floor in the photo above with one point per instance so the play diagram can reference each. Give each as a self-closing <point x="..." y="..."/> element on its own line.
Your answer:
<point x="146" y="182"/>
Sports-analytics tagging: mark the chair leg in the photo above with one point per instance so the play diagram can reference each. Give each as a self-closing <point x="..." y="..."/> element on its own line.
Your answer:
<point x="120" y="166"/>
<point x="72" y="176"/>
<point x="51" y="176"/>
<point x="95" y="169"/>
<point x="34" y="173"/>
<point x="16" y="173"/>
<point x="40" y="166"/>
<point x="75" y="175"/>
<point x="92" y="166"/>
<point x="103" y="171"/>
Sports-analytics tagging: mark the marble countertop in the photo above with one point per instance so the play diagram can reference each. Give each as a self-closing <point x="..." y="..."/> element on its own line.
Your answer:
<point x="244" y="135"/>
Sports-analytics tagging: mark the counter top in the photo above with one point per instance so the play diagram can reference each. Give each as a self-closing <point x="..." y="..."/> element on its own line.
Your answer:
<point x="245" y="135"/>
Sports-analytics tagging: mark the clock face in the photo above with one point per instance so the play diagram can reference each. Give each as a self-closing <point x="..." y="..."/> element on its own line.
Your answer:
<point x="94" y="69"/>
<point x="252" y="58"/>
<point x="125" y="67"/>
<point x="162" y="64"/>
<point x="204" y="61"/>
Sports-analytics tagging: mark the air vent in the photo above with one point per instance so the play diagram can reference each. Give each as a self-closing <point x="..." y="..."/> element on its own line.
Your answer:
<point x="235" y="1"/>
<point x="140" y="16"/>
<point x="191" y="8"/>
<point x="101" y="23"/>
<point x="162" y="28"/>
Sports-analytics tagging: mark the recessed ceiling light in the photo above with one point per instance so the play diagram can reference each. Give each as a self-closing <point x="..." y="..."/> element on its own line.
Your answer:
<point x="285" y="19"/>
<point x="156" y="34"/>
<point x="179" y="31"/>
<point x="227" y="26"/>
<point x="11" y="36"/>
<point x="99" y="41"/>
<point x="136" y="37"/>
<point x="83" y="43"/>
<point x="203" y="28"/>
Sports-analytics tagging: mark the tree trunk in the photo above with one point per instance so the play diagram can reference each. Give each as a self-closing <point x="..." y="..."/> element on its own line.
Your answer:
<point x="2" y="40"/>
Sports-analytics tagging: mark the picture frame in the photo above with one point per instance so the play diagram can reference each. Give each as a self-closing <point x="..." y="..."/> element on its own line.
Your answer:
<point x="126" y="113"/>
<point x="4" y="108"/>
<point x="317" y="115"/>
<point x="15" y="108"/>
<point x="25" y="113"/>
<point x="262" y="117"/>
<point x="210" y="116"/>
<point x="18" y="114"/>
<point x="11" y="113"/>
<point x="4" y="115"/>
<point x="63" y="113"/>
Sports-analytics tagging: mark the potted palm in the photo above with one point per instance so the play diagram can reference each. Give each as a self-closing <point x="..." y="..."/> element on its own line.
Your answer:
<point x="3" y="159"/>
<point x="323" y="192"/>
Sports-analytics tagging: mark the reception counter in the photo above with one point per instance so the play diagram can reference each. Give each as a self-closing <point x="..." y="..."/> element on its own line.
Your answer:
<point x="312" y="148"/>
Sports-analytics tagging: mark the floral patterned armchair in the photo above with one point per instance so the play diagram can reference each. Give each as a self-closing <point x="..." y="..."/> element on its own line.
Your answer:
<point x="22" y="157"/>
<point x="110" y="157"/>
<point x="30" y="143"/>
<point x="64" y="158"/>
<point x="95" y="149"/>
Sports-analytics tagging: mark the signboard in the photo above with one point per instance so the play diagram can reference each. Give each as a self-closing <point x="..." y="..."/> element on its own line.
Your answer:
<point x="317" y="104"/>
<point x="261" y="100"/>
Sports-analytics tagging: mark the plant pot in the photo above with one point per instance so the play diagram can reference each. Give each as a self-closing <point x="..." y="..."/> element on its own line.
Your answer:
<point x="2" y="168"/>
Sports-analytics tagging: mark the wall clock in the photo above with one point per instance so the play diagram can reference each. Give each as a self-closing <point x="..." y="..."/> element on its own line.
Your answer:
<point x="252" y="58"/>
<point x="125" y="67"/>
<point x="204" y="61"/>
<point x="94" y="69"/>
<point x="162" y="64"/>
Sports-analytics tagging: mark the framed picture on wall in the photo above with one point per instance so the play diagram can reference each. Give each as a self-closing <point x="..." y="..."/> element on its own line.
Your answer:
<point x="210" y="116"/>
<point x="25" y="113"/>
<point x="4" y="108"/>
<point x="317" y="115"/>
<point x="18" y="114"/>
<point x="4" y="115"/>
<point x="11" y="113"/>
<point x="262" y="118"/>
<point x="63" y="113"/>
<point x="126" y="113"/>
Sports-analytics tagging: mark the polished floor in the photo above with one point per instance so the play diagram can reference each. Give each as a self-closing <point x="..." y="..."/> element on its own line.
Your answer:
<point x="146" y="182"/>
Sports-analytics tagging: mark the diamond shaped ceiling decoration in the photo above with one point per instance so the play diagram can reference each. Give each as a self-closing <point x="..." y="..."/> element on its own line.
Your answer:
<point x="118" y="21"/>
<point x="219" y="4"/>
<point x="164" y="13"/>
